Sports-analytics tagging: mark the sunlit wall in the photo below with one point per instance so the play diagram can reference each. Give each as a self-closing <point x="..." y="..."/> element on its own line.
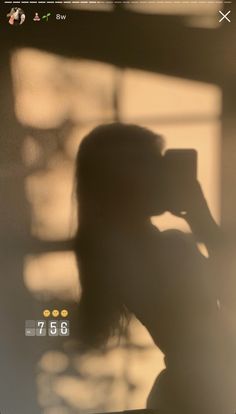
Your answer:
<point x="57" y="101"/>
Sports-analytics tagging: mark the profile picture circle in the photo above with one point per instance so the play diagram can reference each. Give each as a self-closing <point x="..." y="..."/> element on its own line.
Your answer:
<point x="16" y="16"/>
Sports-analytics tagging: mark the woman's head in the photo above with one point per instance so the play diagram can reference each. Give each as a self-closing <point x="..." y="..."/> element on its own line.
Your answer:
<point x="118" y="170"/>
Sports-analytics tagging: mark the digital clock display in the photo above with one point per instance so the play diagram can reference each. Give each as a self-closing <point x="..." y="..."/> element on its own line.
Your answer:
<point x="47" y="327"/>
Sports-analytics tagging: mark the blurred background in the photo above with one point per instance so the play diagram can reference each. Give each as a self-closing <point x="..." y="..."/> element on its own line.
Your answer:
<point x="165" y="66"/>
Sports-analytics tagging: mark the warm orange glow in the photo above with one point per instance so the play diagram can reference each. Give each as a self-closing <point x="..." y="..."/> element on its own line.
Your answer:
<point x="78" y="97"/>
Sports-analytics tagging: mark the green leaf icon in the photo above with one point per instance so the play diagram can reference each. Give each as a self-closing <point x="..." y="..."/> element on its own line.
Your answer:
<point x="46" y="16"/>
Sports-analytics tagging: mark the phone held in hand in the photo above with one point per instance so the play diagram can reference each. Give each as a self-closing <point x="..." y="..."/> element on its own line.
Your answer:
<point x="180" y="170"/>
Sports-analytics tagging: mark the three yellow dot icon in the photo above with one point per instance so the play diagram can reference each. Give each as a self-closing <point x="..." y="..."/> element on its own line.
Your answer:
<point x="55" y="313"/>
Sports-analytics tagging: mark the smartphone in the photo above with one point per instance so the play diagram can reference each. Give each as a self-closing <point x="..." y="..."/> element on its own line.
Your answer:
<point x="180" y="169"/>
<point x="182" y="163"/>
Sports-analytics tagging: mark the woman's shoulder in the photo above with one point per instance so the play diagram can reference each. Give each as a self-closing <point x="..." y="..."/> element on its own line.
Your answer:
<point x="177" y="235"/>
<point x="182" y="248"/>
<point x="178" y="239"/>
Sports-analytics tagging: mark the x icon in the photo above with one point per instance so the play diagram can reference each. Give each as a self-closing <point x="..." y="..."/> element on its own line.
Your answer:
<point x="224" y="16"/>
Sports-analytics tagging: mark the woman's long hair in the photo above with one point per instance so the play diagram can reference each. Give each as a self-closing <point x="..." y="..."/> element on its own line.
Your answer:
<point x="109" y="166"/>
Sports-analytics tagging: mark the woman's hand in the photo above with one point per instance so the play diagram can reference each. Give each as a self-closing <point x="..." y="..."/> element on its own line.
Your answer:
<point x="197" y="214"/>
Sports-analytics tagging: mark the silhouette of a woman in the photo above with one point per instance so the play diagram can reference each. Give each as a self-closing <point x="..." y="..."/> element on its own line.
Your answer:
<point x="128" y="266"/>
